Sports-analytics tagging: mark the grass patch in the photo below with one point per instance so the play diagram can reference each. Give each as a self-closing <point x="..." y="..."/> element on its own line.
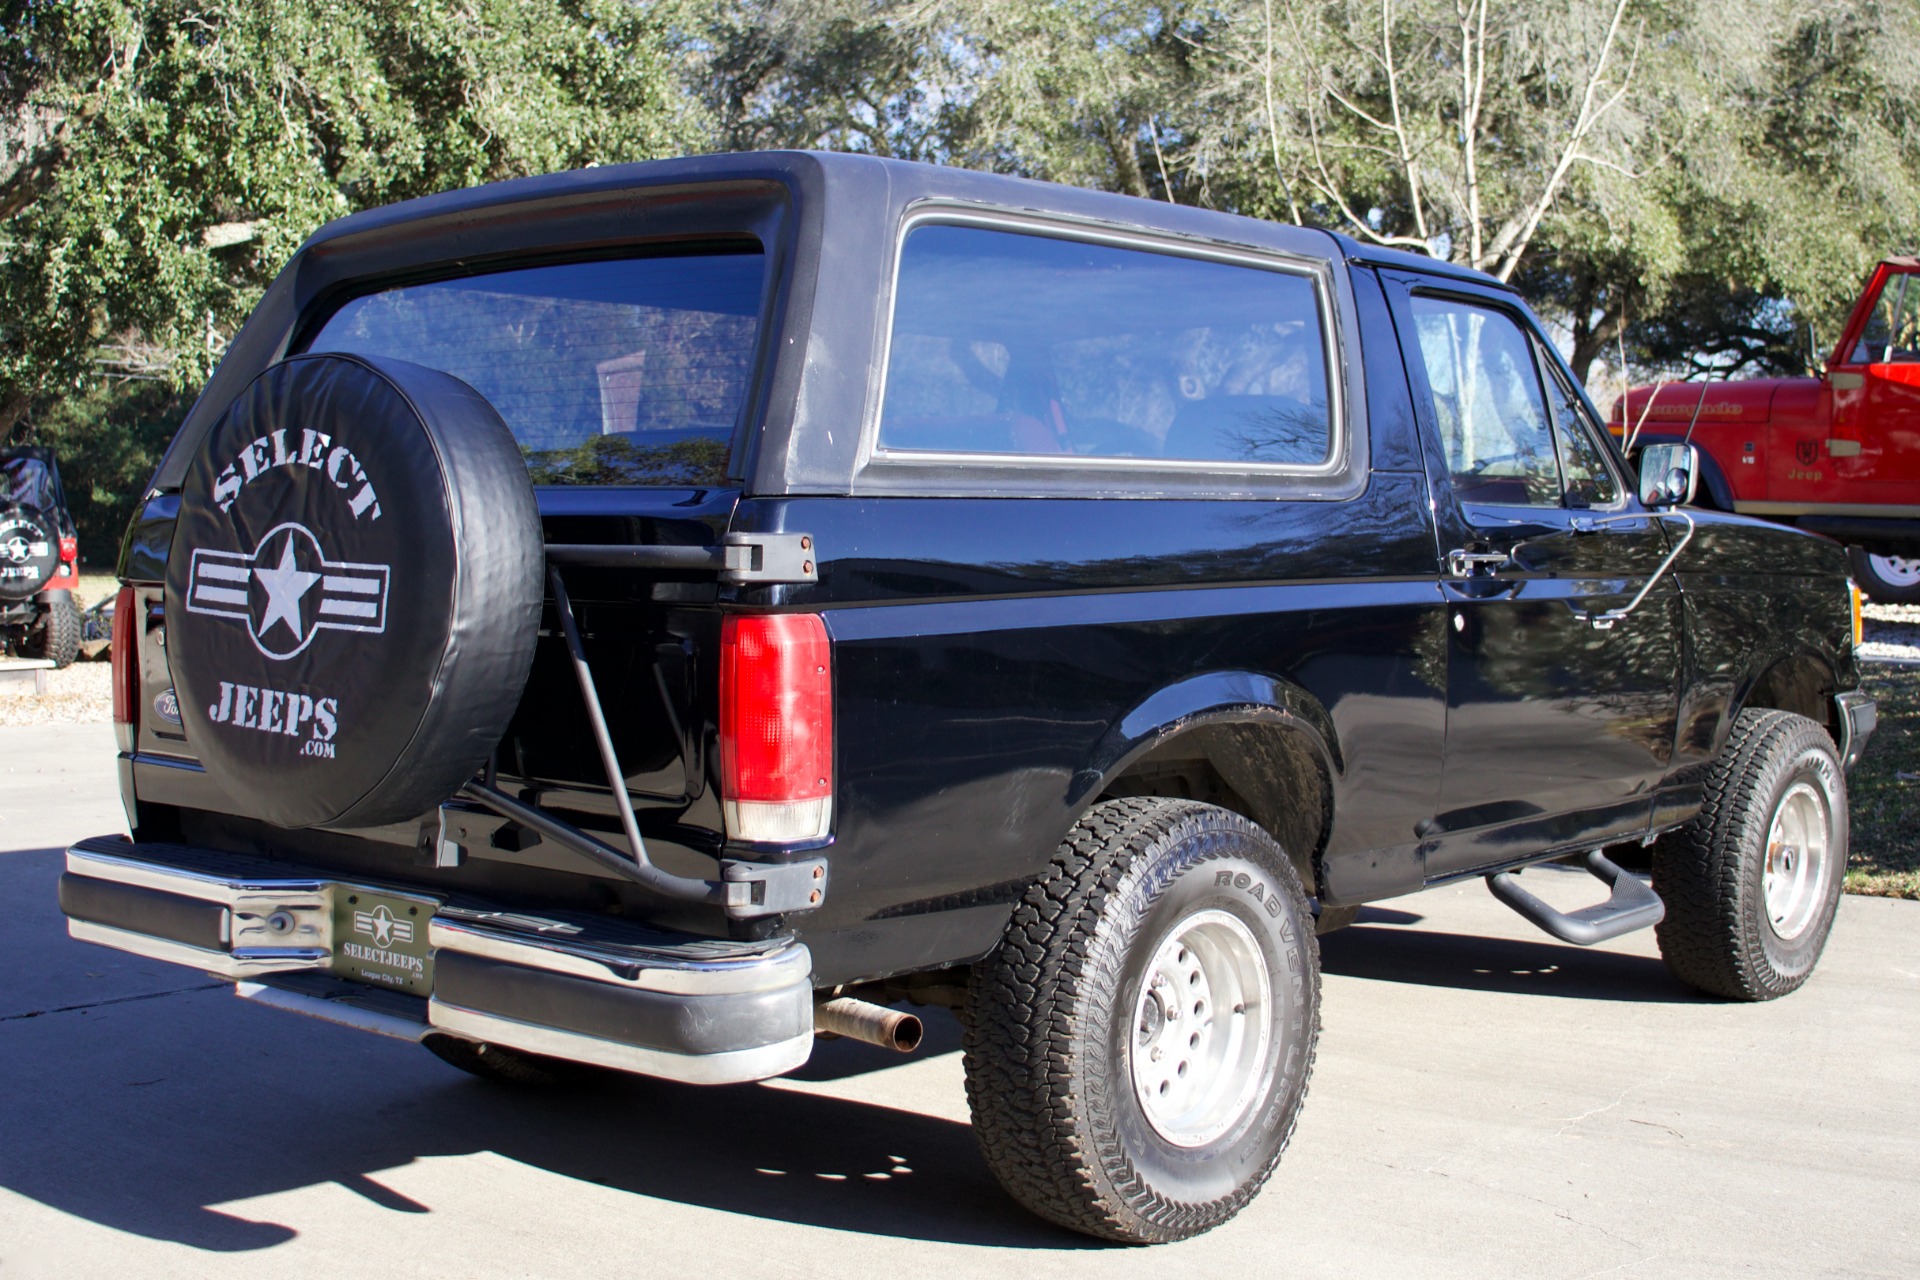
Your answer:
<point x="1884" y="791"/>
<point x="95" y="587"/>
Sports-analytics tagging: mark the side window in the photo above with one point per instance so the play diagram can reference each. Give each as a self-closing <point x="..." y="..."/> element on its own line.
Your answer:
<point x="1903" y="344"/>
<point x="1494" y="429"/>
<point x="1010" y="343"/>
<point x="1589" y="483"/>
<point x="1892" y="334"/>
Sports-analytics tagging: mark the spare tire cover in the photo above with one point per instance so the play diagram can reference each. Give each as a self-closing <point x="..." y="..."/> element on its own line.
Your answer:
<point x="353" y="592"/>
<point x="29" y="553"/>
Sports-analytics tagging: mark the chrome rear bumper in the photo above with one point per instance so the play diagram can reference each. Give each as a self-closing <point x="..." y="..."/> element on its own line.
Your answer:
<point x="589" y="989"/>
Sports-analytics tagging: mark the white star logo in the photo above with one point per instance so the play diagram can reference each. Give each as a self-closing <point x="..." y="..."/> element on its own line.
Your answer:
<point x="382" y="927"/>
<point x="285" y="586"/>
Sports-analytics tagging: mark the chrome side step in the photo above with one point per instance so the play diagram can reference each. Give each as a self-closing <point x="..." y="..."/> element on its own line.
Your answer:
<point x="1632" y="905"/>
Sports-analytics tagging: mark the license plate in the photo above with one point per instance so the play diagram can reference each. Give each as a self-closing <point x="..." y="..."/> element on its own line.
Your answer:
<point x="381" y="939"/>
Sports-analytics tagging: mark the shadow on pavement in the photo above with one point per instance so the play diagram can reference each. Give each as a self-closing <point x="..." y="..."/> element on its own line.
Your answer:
<point x="145" y="1117"/>
<point x="1544" y="968"/>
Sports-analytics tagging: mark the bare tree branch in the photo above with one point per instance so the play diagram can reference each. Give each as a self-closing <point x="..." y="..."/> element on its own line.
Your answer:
<point x="1273" y="120"/>
<point x="1514" y="237"/>
<point x="1407" y="166"/>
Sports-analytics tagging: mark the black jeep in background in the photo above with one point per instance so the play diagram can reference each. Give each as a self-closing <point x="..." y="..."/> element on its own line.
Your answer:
<point x="645" y="616"/>
<point x="39" y="559"/>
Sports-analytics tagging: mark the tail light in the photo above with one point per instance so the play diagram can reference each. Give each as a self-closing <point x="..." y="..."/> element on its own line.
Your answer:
<point x="69" y="550"/>
<point x="776" y="727"/>
<point x="126" y="662"/>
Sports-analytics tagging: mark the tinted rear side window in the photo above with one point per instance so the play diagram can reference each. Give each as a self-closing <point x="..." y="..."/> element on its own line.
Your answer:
<point x="616" y="372"/>
<point x="1009" y="343"/>
<point x="28" y="483"/>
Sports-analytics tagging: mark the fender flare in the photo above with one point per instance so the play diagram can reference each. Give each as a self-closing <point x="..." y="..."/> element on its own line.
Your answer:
<point x="1220" y="699"/>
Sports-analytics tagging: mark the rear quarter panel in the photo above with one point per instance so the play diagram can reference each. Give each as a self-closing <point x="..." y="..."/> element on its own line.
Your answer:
<point x="988" y="652"/>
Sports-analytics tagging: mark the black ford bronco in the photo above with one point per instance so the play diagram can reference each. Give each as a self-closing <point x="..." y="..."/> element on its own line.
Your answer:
<point x="648" y="616"/>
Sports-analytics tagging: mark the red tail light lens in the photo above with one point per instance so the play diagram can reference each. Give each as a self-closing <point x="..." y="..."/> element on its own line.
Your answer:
<point x="69" y="550"/>
<point x="776" y="727"/>
<point x="126" y="659"/>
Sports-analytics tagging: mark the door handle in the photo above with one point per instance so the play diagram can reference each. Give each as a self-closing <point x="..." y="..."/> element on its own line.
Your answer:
<point x="1466" y="564"/>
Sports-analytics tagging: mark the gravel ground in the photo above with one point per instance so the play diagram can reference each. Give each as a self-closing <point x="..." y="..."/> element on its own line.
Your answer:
<point x="82" y="694"/>
<point x="1893" y="632"/>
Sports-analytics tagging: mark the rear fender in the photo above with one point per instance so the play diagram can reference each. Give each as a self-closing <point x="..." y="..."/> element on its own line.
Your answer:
<point x="1271" y="744"/>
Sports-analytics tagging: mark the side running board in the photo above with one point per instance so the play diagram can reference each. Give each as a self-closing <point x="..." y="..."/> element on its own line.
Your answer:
<point x="1632" y="905"/>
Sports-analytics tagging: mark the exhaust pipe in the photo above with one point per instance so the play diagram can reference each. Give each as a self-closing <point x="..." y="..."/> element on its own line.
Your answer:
<point x="873" y="1023"/>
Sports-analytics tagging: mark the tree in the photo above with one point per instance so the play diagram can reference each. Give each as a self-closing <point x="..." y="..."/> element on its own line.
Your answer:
<point x="160" y="159"/>
<point x="883" y="77"/>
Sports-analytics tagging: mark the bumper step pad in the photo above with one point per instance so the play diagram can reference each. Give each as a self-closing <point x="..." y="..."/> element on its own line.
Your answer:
<point x="586" y="988"/>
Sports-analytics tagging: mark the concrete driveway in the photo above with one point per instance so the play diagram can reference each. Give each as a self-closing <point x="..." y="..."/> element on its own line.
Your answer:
<point x="1487" y="1104"/>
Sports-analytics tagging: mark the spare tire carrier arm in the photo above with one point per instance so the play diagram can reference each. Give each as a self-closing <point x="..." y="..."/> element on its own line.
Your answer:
<point x="746" y="889"/>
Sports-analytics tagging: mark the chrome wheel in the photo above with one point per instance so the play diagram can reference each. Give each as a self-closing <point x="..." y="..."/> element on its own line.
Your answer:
<point x="1202" y="1028"/>
<point x="1794" y="880"/>
<point x="1896" y="571"/>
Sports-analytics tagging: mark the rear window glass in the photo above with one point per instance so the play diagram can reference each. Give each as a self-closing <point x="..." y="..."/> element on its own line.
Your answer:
<point x="1008" y="343"/>
<point x="631" y="371"/>
<point x="28" y="483"/>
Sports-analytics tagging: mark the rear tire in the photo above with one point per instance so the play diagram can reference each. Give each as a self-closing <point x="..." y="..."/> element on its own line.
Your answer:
<point x="507" y="1066"/>
<point x="1886" y="579"/>
<point x="1752" y="884"/>
<point x="1140" y="1043"/>
<point x="56" y="633"/>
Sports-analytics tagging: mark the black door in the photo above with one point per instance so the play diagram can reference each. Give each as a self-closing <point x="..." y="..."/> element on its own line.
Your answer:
<point x="1560" y="718"/>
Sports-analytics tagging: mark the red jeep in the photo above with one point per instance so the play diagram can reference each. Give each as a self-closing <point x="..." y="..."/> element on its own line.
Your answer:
<point x="1838" y="454"/>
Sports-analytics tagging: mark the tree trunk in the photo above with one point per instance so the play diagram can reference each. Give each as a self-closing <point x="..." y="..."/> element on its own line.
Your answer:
<point x="1590" y="339"/>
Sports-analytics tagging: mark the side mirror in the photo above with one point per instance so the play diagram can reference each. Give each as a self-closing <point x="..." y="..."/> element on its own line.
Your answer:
<point x="1669" y="474"/>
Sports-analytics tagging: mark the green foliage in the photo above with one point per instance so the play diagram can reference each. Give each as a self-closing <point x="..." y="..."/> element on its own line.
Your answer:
<point x="872" y="76"/>
<point x="108" y="438"/>
<point x="1885" y="854"/>
<point x="166" y="156"/>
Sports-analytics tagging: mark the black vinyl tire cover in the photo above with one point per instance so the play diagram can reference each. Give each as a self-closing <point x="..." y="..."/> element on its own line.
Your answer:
<point x="23" y="570"/>
<point x="353" y="592"/>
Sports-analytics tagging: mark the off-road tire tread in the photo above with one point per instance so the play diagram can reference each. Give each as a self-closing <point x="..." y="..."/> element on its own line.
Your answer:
<point x="1025" y="1001"/>
<point x="57" y="633"/>
<point x="1710" y="935"/>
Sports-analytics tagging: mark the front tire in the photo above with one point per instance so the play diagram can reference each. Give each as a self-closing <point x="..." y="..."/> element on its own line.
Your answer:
<point x="1886" y="579"/>
<point x="1140" y="1042"/>
<point x="1752" y="884"/>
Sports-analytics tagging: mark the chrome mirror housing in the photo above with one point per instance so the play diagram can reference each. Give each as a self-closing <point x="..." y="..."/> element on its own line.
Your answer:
<point x="1669" y="474"/>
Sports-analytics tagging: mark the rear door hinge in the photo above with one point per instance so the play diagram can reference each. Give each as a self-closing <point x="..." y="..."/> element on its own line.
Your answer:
<point x="772" y="888"/>
<point x="768" y="558"/>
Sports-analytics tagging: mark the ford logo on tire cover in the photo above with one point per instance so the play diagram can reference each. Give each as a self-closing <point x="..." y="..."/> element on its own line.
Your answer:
<point x="353" y="592"/>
